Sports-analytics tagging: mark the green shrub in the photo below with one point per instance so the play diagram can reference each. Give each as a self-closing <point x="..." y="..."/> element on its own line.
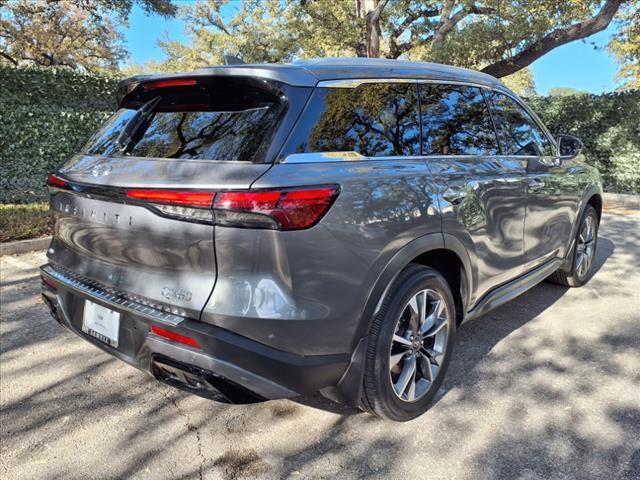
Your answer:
<point x="18" y="222"/>
<point x="45" y="115"/>
<point x="609" y="126"/>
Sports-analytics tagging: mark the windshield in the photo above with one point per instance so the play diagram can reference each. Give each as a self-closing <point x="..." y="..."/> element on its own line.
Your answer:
<point x="212" y="122"/>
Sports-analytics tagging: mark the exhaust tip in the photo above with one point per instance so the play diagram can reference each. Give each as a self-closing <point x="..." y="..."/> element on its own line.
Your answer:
<point x="200" y="382"/>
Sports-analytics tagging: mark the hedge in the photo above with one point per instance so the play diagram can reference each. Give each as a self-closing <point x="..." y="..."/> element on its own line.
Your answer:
<point x="608" y="125"/>
<point x="46" y="115"/>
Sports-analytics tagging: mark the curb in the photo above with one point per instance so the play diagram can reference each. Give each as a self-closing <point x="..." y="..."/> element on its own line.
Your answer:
<point x="23" y="246"/>
<point x="621" y="200"/>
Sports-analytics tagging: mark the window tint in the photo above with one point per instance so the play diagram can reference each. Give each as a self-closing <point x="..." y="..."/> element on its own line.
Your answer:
<point x="374" y="120"/>
<point x="218" y="120"/>
<point x="519" y="135"/>
<point x="194" y="135"/>
<point x="456" y="121"/>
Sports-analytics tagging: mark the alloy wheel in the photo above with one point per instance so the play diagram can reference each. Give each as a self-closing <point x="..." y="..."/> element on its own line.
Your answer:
<point x="585" y="249"/>
<point x="419" y="345"/>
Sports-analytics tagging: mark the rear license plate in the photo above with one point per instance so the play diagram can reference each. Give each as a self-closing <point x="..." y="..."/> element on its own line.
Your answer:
<point x="101" y="323"/>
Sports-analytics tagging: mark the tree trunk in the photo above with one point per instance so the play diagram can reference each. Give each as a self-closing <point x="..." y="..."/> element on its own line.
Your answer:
<point x="373" y="36"/>
<point x="373" y="23"/>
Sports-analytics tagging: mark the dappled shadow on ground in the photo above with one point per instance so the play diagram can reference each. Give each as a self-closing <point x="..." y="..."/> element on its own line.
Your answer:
<point x="544" y="387"/>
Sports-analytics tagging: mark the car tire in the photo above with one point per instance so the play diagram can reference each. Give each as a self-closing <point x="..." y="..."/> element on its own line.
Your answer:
<point x="584" y="250"/>
<point x="403" y="339"/>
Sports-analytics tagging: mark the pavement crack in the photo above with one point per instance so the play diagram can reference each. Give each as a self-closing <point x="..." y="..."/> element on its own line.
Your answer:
<point x="192" y="428"/>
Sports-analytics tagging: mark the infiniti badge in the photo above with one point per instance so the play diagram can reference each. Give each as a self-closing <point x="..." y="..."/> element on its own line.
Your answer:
<point x="101" y="170"/>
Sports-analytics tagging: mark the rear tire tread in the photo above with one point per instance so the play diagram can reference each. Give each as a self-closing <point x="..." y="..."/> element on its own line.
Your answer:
<point x="570" y="278"/>
<point x="371" y="394"/>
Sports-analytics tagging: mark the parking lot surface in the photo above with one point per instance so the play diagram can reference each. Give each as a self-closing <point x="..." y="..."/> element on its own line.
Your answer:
<point x="547" y="386"/>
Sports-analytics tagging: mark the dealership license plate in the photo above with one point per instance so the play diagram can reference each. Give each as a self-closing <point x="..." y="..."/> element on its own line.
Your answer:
<point x="101" y="323"/>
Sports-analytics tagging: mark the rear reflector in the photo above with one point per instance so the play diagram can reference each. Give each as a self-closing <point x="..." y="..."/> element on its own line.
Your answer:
<point x="49" y="282"/>
<point x="174" y="197"/>
<point x="289" y="209"/>
<point x="55" y="181"/>
<point x="174" y="337"/>
<point x="177" y="82"/>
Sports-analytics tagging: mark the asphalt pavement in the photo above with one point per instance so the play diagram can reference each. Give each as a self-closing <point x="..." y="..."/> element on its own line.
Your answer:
<point x="545" y="387"/>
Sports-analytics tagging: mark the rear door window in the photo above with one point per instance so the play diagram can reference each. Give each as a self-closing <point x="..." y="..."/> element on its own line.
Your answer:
<point x="456" y="121"/>
<point x="215" y="121"/>
<point x="374" y="119"/>
<point x="519" y="133"/>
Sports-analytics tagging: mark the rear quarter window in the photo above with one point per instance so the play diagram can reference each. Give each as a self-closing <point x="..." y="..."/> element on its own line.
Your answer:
<point x="374" y="119"/>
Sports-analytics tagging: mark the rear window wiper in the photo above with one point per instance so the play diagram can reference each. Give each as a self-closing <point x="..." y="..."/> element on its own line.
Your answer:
<point x="135" y="127"/>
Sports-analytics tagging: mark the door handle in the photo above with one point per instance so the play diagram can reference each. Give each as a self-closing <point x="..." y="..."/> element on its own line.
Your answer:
<point x="535" y="185"/>
<point x="454" y="195"/>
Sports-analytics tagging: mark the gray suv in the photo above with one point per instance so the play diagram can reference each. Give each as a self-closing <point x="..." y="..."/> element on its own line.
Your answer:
<point x="252" y="232"/>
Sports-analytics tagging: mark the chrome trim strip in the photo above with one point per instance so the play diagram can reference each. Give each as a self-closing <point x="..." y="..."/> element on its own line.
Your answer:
<point x="453" y="82"/>
<point x="356" y="82"/>
<point x="323" y="157"/>
<point x="110" y="296"/>
<point x="334" y="157"/>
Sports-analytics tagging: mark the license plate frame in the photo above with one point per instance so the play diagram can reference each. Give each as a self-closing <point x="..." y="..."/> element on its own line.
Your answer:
<point x="101" y="323"/>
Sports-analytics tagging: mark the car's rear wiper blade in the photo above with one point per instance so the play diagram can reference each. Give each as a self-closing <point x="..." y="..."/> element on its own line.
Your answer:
<point x="133" y="130"/>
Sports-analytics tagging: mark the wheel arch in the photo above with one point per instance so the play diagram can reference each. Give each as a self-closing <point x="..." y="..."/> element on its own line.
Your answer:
<point x="592" y="196"/>
<point x="595" y="200"/>
<point x="443" y="253"/>
<point x="430" y="250"/>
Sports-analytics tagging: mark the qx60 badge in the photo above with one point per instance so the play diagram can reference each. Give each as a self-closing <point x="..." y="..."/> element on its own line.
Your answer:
<point x="176" y="293"/>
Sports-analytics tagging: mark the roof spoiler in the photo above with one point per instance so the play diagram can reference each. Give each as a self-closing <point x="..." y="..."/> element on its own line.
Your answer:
<point x="288" y="74"/>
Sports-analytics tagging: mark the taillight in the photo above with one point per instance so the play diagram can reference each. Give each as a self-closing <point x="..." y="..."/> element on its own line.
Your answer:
<point x="176" y="82"/>
<point x="282" y="209"/>
<point x="173" y="197"/>
<point x="56" y="182"/>
<point x="189" y="205"/>
<point x="174" y="337"/>
<point x="276" y="209"/>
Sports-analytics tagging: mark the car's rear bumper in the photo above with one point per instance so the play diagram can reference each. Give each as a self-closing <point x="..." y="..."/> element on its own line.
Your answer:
<point x="238" y="367"/>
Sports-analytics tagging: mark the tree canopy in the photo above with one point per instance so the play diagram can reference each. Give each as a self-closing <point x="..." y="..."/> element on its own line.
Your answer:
<point x="80" y="34"/>
<point x="500" y="37"/>
<point x="564" y="92"/>
<point x="625" y="45"/>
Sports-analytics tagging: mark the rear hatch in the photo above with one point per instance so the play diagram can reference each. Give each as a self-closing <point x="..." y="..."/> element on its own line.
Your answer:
<point x="133" y="209"/>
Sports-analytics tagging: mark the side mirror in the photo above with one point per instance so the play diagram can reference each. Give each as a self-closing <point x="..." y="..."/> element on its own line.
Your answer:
<point x="569" y="146"/>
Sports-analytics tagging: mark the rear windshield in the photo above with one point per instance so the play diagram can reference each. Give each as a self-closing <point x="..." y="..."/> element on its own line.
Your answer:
<point x="215" y="120"/>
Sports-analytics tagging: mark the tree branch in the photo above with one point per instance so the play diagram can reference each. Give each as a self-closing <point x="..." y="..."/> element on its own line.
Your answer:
<point x="396" y="49"/>
<point x="447" y="23"/>
<point x="555" y="39"/>
<point x="9" y="57"/>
